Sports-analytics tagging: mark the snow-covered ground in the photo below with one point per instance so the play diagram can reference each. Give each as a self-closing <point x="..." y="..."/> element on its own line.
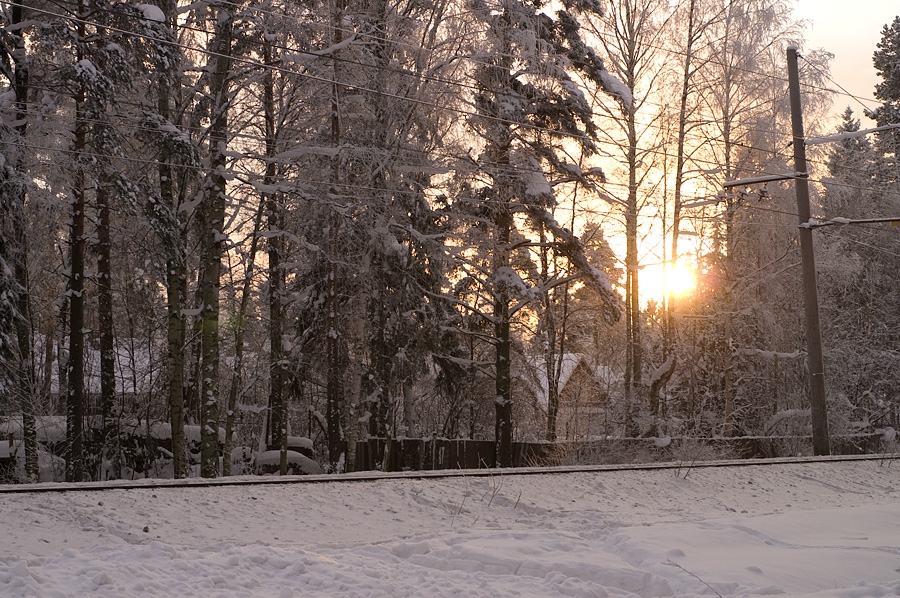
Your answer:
<point x="822" y="529"/>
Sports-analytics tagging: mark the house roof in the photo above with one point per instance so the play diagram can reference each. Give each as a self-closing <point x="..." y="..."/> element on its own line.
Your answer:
<point x="535" y="375"/>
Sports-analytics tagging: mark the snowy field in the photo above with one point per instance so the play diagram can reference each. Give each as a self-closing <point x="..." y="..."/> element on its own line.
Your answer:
<point x="813" y="529"/>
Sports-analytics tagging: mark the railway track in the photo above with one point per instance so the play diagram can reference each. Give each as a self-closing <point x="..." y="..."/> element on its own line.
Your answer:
<point x="370" y="476"/>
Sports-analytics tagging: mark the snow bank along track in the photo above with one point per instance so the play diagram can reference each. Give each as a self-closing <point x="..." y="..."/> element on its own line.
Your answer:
<point x="368" y="476"/>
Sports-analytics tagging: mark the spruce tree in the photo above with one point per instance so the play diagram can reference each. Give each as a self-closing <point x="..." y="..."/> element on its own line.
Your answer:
<point x="529" y="112"/>
<point x="887" y="65"/>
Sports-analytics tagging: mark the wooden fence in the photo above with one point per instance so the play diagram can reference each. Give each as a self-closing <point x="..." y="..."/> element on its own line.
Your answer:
<point x="402" y="454"/>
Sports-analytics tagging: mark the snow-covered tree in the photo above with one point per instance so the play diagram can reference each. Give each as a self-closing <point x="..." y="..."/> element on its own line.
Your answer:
<point x="858" y="263"/>
<point x="527" y="107"/>
<point x="628" y="37"/>
<point x="17" y="374"/>
<point x="887" y="65"/>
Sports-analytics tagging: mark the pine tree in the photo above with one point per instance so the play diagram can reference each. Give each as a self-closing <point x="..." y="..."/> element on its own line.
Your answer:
<point x="858" y="269"/>
<point x="743" y="140"/>
<point x="887" y="66"/>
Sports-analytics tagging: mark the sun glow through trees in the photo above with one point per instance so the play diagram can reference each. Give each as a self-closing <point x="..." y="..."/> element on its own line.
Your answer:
<point x="657" y="282"/>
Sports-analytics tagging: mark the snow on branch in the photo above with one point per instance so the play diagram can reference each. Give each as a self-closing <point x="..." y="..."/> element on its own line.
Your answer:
<point x="335" y="47"/>
<point x="306" y="150"/>
<point x="569" y="246"/>
<point x="663" y="369"/>
<point x="152" y="12"/>
<point x="535" y="182"/>
<point x="813" y="223"/>
<point x="617" y="89"/>
<point x="700" y="204"/>
<point x="772" y="354"/>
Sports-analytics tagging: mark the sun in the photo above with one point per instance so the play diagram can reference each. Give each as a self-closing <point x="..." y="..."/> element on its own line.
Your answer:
<point x="656" y="281"/>
<point x="682" y="280"/>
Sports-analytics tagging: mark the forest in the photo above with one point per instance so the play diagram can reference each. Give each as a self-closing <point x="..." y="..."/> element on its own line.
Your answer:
<point x="241" y="226"/>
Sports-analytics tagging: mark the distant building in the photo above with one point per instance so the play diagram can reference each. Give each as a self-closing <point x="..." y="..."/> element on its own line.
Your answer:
<point x="584" y="395"/>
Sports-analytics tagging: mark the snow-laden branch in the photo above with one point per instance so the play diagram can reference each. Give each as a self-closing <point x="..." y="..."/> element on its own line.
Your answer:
<point x="306" y="150"/>
<point x="539" y="290"/>
<point x="772" y="354"/>
<point x="569" y="246"/>
<point x="152" y="12"/>
<point x="617" y="89"/>
<point x="699" y="204"/>
<point x="335" y="47"/>
<point x="663" y="369"/>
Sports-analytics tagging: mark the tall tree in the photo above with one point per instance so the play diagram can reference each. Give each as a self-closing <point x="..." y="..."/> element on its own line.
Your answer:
<point x="17" y="374"/>
<point x="691" y="20"/>
<point x="887" y="91"/>
<point x="214" y="234"/>
<point x="174" y="148"/>
<point x="628" y="37"/>
<point x="859" y="285"/>
<point x="526" y="104"/>
<point x="743" y="40"/>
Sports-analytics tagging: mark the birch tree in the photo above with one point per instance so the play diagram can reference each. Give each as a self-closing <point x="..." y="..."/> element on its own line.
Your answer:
<point x="628" y="38"/>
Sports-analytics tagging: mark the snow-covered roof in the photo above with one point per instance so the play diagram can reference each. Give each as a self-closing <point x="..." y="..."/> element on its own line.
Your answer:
<point x="135" y="368"/>
<point x="536" y="375"/>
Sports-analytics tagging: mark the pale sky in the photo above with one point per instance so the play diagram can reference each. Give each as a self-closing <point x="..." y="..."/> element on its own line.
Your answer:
<point x="849" y="30"/>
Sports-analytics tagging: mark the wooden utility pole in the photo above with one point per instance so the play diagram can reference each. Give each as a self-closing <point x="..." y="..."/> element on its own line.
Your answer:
<point x="815" y="366"/>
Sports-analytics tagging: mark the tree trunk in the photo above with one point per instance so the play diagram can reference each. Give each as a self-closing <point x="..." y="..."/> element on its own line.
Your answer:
<point x="213" y="243"/>
<point x="731" y="204"/>
<point x="75" y="362"/>
<point x="503" y="398"/>
<point x="237" y="382"/>
<point x="175" y="280"/>
<point x="75" y="293"/>
<point x="357" y="367"/>
<point x="552" y="353"/>
<point x="634" y="353"/>
<point x="175" y="274"/>
<point x="105" y="324"/>
<point x="503" y="223"/>
<point x="669" y="331"/>
<point x="278" y="406"/>
<point x="25" y="366"/>
<point x="334" y="384"/>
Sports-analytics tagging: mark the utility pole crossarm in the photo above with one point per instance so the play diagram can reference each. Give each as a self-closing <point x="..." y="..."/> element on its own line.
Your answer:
<point x="812" y="223"/>
<point x="849" y="135"/>
<point x="765" y="179"/>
